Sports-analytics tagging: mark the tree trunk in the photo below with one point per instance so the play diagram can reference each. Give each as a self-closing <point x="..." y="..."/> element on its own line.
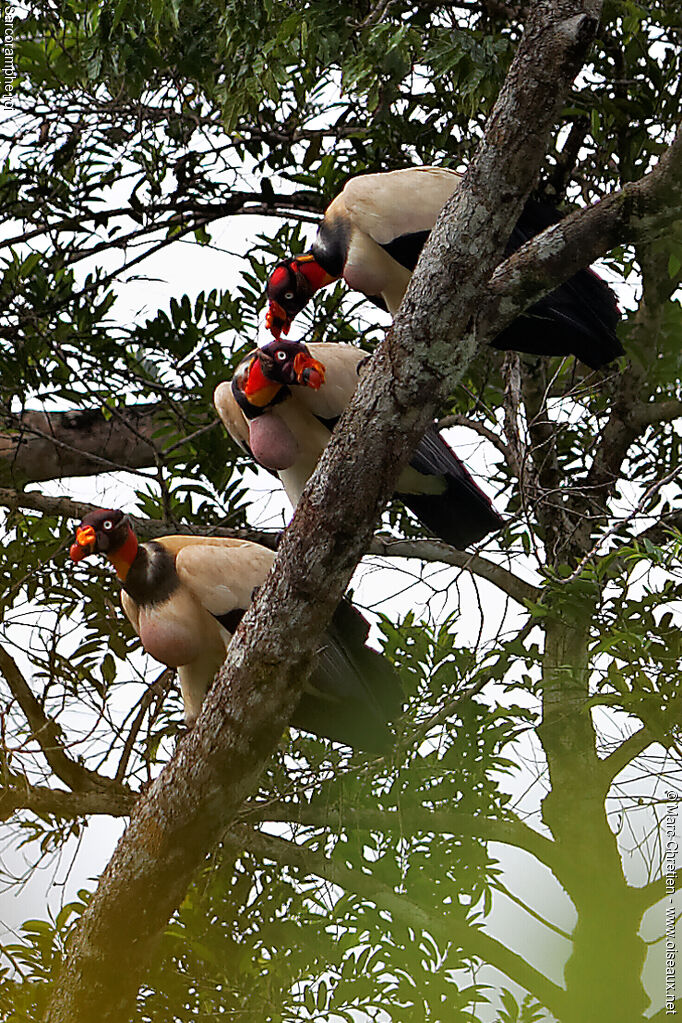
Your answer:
<point x="603" y="974"/>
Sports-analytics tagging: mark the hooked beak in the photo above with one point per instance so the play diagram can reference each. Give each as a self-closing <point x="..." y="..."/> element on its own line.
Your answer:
<point x="276" y="320"/>
<point x="309" y="371"/>
<point x="85" y="543"/>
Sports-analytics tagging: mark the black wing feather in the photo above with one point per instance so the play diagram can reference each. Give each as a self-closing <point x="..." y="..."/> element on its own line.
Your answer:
<point x="462" y="514"/>
<point x="357" y="690"/>
<point x="577" y="318"/>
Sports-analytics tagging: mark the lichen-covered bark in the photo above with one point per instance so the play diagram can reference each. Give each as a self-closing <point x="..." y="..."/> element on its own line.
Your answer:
<point x="638" y="213"/>
<point x="196" y="797"/>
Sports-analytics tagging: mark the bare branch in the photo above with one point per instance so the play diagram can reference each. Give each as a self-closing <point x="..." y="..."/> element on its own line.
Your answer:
<point x="149" y="528"/>
<point x="17" y="794"/>
<point x="480" y="428"/>
<point x="425" y="550"/>
<point x="48" y="734"/>
<point x="157" y="689"/>
<point x="408" y="821"/>
<point x="433" y="550"/>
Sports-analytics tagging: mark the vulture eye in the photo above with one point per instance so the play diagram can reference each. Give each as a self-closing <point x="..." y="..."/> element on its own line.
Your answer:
<point x="281" y="356"/>
<point x="289" y="295"/>
<point x="108" y="524"/>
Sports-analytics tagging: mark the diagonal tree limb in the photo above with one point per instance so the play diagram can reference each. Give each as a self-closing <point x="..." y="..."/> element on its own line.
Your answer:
<point x="624" y="754"/>
<point x="653" y="892"/>
<point x="48" y="734"/>
<point x="640" y="211"/>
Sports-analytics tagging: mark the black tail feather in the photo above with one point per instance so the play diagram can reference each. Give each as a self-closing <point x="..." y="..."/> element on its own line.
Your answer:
<point x="356" y="693"/>
<point x="461" y="514"/>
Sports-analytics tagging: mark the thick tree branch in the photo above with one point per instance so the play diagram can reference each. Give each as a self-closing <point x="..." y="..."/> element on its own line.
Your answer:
<point x="189" y="806"/>
<point x="31" y="500"/>
<point x="639" y="212"/>
<point x="49" y="445"/>
<point x="656" y="412"/>
<point x="653" y="892"/>
<point x="605" y="936"/>
<point x="16" y="793"/>
<point x="624" y="754"/>
<point x="424" y="550"/>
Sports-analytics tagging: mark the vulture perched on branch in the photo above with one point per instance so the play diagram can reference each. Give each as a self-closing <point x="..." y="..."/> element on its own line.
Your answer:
<point x="185" y="596"/>
<point x="372" y="234"/>
<point x="285" y="400"/>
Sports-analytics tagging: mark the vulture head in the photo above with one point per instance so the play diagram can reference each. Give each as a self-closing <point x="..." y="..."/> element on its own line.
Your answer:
<point x="289" y="363"/>
<point x="290" y="286"/>
<point x="106" y="531"/>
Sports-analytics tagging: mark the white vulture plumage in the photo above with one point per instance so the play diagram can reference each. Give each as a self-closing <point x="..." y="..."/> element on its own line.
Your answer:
<point x="371" y="236"/>
<point x="285" y="399"/>
<point x="184" y="597"/>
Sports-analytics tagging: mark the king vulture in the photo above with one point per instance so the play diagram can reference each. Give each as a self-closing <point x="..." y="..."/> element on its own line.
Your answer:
<point x="282" y="405"/>
<point x="371" y="236"/>
<point x="185" y="595"/>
